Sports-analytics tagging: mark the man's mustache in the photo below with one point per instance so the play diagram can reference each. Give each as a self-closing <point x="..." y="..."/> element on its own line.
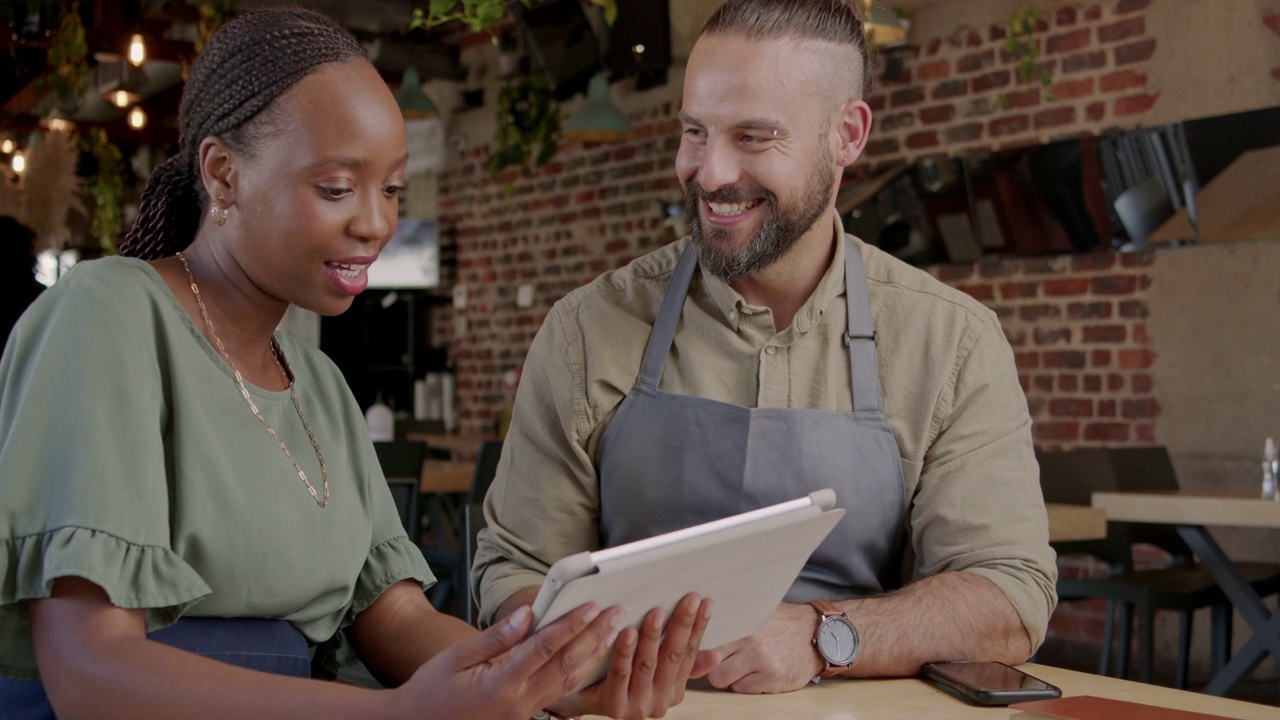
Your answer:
<point x="729" y="194"/>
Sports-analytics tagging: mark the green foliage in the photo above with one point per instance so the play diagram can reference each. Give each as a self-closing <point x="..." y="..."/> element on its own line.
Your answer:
<point x="68" y="68"/>
<point x="528" y="116"/>
<point x="478" y="15"/>
<point x="213" y="15"/>
<point x="106" y="187"/>
<point x="1025" y="51"/>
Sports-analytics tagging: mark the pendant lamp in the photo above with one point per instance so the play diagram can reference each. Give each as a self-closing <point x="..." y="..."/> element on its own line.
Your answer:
<point x="882" y="26"/>
<point x="597" y="120"/>
<point x="414" y="104"/>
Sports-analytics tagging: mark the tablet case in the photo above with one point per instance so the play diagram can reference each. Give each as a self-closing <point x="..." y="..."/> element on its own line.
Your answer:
<point x="745" y="563"/>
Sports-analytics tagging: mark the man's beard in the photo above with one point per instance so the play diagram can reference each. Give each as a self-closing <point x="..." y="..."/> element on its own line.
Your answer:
<point x="780" y="229"/>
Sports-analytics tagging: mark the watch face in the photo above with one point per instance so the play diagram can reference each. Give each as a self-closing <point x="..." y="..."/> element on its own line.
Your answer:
<point x="837" y="640"/>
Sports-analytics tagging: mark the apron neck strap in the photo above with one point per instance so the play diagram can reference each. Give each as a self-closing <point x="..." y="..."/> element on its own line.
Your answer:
<point x="860" y="338"/>
<point x="664" y="327"/>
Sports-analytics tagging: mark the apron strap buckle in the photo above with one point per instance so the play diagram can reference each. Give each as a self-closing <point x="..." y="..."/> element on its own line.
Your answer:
<point x="849" y="338"/>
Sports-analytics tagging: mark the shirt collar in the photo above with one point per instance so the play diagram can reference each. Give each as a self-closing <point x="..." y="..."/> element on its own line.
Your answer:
<point x="830" y="288"/>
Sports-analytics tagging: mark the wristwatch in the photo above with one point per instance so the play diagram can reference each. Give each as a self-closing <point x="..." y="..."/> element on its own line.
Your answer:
<point x="836" y="639"/>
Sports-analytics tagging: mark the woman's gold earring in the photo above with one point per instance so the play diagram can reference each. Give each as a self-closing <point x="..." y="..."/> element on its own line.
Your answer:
<point x="218" y="213"/>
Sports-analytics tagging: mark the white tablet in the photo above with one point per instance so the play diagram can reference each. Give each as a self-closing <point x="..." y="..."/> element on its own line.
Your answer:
<point x="745" y="563"/>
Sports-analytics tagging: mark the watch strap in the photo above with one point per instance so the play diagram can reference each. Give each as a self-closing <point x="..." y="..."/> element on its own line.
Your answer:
<point x="826" y="610"/>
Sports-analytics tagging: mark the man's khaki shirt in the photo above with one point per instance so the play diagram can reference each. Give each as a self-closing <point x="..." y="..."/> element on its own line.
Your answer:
<point x="949" y="386"/>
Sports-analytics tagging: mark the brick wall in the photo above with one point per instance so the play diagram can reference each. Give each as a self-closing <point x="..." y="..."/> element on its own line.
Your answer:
<point x="963" y="92"/>
<point x="1078" y="331"/>
<point x="593" y="208"/>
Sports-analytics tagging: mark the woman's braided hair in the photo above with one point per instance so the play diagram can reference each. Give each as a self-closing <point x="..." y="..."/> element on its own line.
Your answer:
<point x="246" y="66"/>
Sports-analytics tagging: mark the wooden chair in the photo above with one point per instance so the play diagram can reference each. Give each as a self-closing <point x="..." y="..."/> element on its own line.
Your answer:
<point x="401" y="463"/>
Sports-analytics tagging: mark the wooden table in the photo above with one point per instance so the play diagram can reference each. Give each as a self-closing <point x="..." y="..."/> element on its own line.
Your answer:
<point x="456" y="445"/>
<point x="915" y="699"/>
<point x="1190" y="512"/>
<point x="446" y="477"/>
<point x="1068" y="523"/>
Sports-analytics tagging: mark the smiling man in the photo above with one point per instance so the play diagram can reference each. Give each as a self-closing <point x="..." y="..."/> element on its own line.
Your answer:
<point x="769" y="354"/>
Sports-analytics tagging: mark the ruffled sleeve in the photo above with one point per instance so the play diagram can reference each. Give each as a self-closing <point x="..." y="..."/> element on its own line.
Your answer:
<point x="392" y="558"/>
<point x="83" y="464"/>
<point x="134" y="576"/>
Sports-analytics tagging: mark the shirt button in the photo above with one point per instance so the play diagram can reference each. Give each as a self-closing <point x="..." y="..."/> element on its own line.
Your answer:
<point x="733" y="316"/>
<point x="771" y="350"/>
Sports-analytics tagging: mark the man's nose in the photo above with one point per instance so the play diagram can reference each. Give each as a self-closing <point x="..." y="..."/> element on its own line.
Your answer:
<point x="719" y="167"/>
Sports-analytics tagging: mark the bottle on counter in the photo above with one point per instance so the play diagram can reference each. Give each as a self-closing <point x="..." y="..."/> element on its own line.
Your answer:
<point x="1270" y="468"/>
<point x="382" y="422"/>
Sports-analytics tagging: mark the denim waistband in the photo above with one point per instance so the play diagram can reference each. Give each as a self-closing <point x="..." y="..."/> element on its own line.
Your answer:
<point x="273" y="646"/>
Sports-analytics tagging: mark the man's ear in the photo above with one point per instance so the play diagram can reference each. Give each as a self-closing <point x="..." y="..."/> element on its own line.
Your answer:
<point x="218" y="167"/>
<point x="854" y="126"/>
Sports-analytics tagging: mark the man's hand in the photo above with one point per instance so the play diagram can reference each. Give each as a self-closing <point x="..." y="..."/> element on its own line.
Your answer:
<point x="779" y="658"/>
<point x="648" y="672"/>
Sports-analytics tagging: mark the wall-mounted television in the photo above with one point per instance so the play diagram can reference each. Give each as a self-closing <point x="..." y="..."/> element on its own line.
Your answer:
<point x="411" y="259"/>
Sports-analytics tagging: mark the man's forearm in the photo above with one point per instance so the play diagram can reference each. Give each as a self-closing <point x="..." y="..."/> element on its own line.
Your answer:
<point x="949" y="616"/>
<point x="508" y="606"/>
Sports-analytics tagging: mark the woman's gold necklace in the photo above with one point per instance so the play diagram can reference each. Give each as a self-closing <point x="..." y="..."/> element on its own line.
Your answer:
<point x="244" y="392"/>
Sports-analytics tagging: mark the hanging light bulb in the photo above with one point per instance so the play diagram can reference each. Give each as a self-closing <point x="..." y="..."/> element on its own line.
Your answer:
<point x="120" y="98"/>
<point x="19" y="162"/>
<point x="137" y="118"/>
<point x="137" y="50"/>
<point x="7" y="146"/>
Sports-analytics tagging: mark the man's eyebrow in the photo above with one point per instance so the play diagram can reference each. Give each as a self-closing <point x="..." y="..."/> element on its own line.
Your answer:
<point x="687" y="119"/>
<point x="773" y="127"/>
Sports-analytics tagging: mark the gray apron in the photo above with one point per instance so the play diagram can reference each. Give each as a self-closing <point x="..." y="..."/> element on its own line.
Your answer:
<point x="670" y="461"/>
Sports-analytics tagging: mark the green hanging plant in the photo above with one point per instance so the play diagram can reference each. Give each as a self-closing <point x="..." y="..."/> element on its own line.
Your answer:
<point x="528" y="121"/>
<point x="478" y="15"/>
<point x="528" y="115"/>
<point x="68" y="68"/>
<point x="1025" y="52"/>
<point x="106" y="187"/>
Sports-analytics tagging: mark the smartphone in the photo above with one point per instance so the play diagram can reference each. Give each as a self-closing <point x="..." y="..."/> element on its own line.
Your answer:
<point x="989" y="683"/>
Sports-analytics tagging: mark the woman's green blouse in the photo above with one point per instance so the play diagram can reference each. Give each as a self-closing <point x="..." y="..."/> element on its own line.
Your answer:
<point x="128" y="457"/>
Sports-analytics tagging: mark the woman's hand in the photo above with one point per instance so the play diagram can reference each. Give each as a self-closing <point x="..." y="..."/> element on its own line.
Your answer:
<point x="501" y="673"/>
<point x="647" y="672"/>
